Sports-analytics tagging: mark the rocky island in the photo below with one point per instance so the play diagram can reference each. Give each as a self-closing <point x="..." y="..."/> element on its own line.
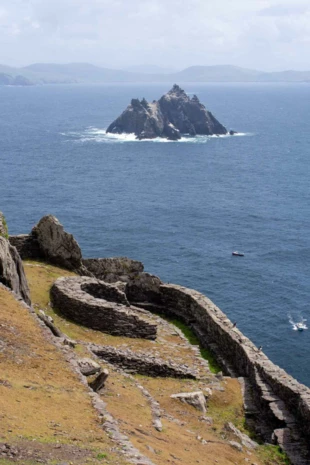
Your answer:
<point x="173" y="115"/>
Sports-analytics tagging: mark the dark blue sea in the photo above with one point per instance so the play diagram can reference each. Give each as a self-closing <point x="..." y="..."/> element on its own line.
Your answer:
<point x="179" y="207"/>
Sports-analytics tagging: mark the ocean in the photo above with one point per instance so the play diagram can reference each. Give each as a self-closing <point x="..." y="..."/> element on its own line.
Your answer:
<point x="183" y="207"/>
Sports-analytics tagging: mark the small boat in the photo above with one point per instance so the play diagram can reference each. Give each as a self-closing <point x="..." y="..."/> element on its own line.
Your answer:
<point x="300" y="326"/>
<point x="238" y="254"/>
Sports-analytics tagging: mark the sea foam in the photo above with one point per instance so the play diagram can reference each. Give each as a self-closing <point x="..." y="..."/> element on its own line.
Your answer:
<point x="92" y="134"/>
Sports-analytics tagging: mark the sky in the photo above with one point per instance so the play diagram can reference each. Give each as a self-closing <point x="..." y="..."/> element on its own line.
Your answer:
<point x="260" y="34"/>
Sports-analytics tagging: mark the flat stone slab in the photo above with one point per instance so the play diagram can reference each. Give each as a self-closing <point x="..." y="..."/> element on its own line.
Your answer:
<point x="196" y="399"/>
<point x="88" y="366"/>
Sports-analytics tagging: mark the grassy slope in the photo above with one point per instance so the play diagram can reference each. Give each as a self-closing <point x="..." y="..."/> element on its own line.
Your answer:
<point x="180" y="442"/>
<point x="40" y="397"/>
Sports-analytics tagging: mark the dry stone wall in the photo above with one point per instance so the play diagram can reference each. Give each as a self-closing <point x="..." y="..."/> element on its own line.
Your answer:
<point x="71" y="298"/>
<point x="142" y="363"/>
<point x="270" y="381"/>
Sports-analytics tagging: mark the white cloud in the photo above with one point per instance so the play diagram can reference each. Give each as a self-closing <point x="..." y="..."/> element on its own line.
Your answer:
<point x="169" y="32"/>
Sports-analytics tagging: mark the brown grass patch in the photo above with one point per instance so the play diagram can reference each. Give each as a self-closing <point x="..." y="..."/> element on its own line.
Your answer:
<point x="40" y="397"/>
<point x="181" y="441"/>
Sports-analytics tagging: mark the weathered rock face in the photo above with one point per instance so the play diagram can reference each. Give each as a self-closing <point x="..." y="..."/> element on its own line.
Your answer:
<point x="27" y="246"/>
<point x="12" y="272"/>
<point x="56" y="245"/>
<point x="144" y="288"/>
<point x="50" y="242"/>
<point x="114" y="269"/>
<point x="173" y="115"/>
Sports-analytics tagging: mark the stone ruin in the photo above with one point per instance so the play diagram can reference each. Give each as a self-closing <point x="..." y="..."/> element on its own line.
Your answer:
<point x="100" y="306"/>
<point x="275" y="403"/>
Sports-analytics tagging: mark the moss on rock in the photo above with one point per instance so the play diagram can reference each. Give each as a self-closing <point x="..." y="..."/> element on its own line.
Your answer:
<point x="3" y="226"/>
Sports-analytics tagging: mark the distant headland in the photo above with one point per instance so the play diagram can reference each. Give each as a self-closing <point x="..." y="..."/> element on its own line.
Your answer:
<point x="173" y="115"/>
<point x="77" y="73"/>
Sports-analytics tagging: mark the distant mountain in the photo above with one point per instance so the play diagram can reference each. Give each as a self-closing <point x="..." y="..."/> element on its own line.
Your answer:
<point x="9" y="80"/>
<point x="223" y="73"/>
<point x="149" y="69"/>
<point x="53" y="73"/>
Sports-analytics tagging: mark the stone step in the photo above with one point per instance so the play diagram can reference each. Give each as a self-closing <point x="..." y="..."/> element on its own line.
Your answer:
<point x="276" y="406"/>
<point x="295" y="447"/>
<point x="249" y="405"/>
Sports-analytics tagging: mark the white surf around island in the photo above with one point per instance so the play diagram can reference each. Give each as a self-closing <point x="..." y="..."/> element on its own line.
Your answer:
<point x="298" y="325"/>
<point x="92" y="134"/>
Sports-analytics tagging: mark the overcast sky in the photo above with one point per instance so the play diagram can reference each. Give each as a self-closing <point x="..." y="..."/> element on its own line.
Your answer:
<point x="261" y="34"/>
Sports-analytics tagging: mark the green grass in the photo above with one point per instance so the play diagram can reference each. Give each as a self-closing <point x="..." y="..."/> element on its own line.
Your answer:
<point x="193" y="339"/>
<point x="101" y="456"/>
<point x="273" y="455"/>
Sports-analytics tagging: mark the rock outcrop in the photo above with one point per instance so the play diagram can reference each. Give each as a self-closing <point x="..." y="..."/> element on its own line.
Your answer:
<point x="172" y="116"/>
<point x="56" y="245"/>
<point x="114" y="269"/>
<point x="50" y="242"/>
<point x="12" y="272"/>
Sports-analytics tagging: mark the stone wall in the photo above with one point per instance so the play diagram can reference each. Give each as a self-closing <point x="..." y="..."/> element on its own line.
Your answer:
<point x="142" y="363"/>
<point x="68" y="296"/>
<point x="101" y="290"/>
<point x="287" y="399"/>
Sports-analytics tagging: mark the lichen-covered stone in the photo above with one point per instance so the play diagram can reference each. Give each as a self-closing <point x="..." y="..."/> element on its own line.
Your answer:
<point x="56" y="245"/>
<point x="3" y="226"/>
<point x="12" y="272"/>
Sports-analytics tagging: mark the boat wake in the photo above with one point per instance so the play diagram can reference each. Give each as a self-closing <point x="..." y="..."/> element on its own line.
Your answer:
<point x="298" y="325"/>
<point x="97" y="135"/>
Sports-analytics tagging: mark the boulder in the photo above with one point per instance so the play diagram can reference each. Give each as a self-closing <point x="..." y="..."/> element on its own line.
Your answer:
<point x="196" y="399"/>
<point x="56" y="245"/>
<point x="88" y="366"/>
<point x="172" y="116"/>
<point x="235" y="445"/>
<point x="12" y="272"/>
<point x="99" y="382"/>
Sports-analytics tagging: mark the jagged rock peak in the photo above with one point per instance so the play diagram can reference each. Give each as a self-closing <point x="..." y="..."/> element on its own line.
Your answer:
<point x="177" y="90"/>
<point x="173" y="115"/>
